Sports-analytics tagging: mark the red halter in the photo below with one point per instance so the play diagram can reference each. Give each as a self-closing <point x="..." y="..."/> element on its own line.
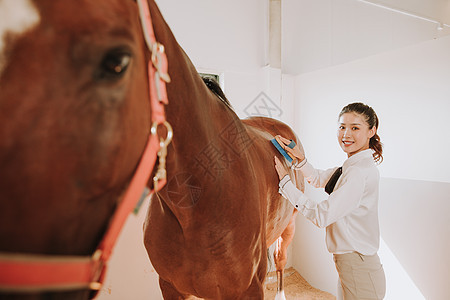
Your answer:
<point x="35" y="273"/>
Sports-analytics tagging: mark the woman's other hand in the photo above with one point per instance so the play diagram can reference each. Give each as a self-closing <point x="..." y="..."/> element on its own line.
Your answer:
<point x="281" y="170"/>
<point x="295" y="152"/>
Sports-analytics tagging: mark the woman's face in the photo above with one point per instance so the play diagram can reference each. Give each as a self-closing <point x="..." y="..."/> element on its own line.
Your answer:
<point x="354" y="133"/>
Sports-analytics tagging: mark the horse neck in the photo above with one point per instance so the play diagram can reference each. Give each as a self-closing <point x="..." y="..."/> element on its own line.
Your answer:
<point x="198" y="149"/>
<point x="196" y="114"/>
<point x="200" y="121"/>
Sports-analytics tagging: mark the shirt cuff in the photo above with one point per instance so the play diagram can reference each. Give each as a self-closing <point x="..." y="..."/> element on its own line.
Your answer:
<point x="284" y="180"/>
<point x="299" y="164"/>
<point x="289" y="191"/>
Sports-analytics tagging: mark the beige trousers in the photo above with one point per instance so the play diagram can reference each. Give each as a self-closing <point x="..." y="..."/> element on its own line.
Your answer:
<point x="361" y="276"/>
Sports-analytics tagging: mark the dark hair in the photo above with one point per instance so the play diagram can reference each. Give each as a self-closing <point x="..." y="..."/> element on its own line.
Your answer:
<point x="372" y="120"/>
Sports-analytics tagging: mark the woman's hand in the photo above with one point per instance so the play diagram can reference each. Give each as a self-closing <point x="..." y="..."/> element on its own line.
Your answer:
<point x="294" y="152"/>
<point x="281" y="170"/>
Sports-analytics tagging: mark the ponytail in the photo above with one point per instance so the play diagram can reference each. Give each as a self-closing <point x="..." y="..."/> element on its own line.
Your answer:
<point x="377" y="147"/>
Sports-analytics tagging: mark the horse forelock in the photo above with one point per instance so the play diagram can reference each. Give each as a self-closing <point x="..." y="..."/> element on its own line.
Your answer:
<point x="16" y="17"/>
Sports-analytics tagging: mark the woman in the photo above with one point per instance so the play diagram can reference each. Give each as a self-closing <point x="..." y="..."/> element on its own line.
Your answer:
<point x="350" y="214"/>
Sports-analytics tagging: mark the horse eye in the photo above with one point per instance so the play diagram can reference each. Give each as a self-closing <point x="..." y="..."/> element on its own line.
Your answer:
<point x="114" y="64"/>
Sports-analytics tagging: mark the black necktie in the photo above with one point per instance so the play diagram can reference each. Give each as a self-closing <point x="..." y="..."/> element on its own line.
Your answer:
<point x="333" y="179"/>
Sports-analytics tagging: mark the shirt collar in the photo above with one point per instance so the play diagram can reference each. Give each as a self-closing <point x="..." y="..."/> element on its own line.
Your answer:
<point x="358" y="157"/>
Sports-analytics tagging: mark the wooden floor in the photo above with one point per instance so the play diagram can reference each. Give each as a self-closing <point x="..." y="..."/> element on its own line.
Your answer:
<point x="295" y="287"/>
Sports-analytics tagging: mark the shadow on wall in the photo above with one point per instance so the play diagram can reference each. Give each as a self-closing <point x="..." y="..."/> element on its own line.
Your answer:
<point x="415" y="225"/>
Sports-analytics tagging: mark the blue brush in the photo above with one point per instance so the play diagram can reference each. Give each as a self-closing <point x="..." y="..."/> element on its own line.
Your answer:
<point x="282" y="151"/>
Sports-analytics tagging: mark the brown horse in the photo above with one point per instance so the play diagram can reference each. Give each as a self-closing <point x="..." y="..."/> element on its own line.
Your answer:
<point x="75" y="117"/>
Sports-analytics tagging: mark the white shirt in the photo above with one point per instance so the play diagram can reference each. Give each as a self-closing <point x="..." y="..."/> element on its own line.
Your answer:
<point x="350" y="214"/>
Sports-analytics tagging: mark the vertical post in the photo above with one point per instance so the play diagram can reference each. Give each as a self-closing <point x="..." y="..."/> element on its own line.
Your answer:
<point x="280" y="280"/>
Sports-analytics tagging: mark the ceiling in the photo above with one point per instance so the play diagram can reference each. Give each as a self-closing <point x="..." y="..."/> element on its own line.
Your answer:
<point x="438" y="10"/>
<point x="317" y="34"/>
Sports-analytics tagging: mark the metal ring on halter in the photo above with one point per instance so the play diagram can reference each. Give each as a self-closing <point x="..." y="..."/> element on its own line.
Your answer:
<point x="157" y="51"/>
<point x="169" y="131"/>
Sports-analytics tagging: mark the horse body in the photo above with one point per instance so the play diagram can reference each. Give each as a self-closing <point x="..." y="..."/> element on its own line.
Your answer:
<point x="82" y="100"/>
<point x="208" y="236"/>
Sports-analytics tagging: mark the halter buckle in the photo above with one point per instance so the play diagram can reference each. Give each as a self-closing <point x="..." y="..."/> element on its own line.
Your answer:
<point x="98" y="266"/>
<point x="161" y="173"/>
<point x="157" y="51"/>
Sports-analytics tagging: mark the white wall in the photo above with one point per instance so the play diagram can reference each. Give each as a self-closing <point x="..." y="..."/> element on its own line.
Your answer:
<point x="130" y="274"/>
<point x="409" y="88"/>
<point x="224" y="35"/>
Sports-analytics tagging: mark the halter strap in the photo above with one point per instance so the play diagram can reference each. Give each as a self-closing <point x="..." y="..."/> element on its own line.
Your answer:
<point x="35" y="273"/>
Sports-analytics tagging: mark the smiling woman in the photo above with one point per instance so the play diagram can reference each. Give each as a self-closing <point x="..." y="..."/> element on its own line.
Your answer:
<point x="350" y="214"/>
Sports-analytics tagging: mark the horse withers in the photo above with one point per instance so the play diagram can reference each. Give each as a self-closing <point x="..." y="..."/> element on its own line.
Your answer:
<point x="76" y="118"/>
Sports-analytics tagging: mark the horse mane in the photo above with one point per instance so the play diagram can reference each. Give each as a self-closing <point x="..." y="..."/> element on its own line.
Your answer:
<point x="214" y="86"/>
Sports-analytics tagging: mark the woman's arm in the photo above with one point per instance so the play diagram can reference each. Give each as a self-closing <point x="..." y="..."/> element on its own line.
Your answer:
<point x="339" y="204"/>
<point x="315" y="177"/>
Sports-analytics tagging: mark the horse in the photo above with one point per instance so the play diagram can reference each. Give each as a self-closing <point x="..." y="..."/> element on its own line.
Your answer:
<point x="76" y="120"/>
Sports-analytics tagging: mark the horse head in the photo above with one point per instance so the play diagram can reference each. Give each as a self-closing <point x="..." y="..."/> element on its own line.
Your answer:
<point x="76" y="117"/>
